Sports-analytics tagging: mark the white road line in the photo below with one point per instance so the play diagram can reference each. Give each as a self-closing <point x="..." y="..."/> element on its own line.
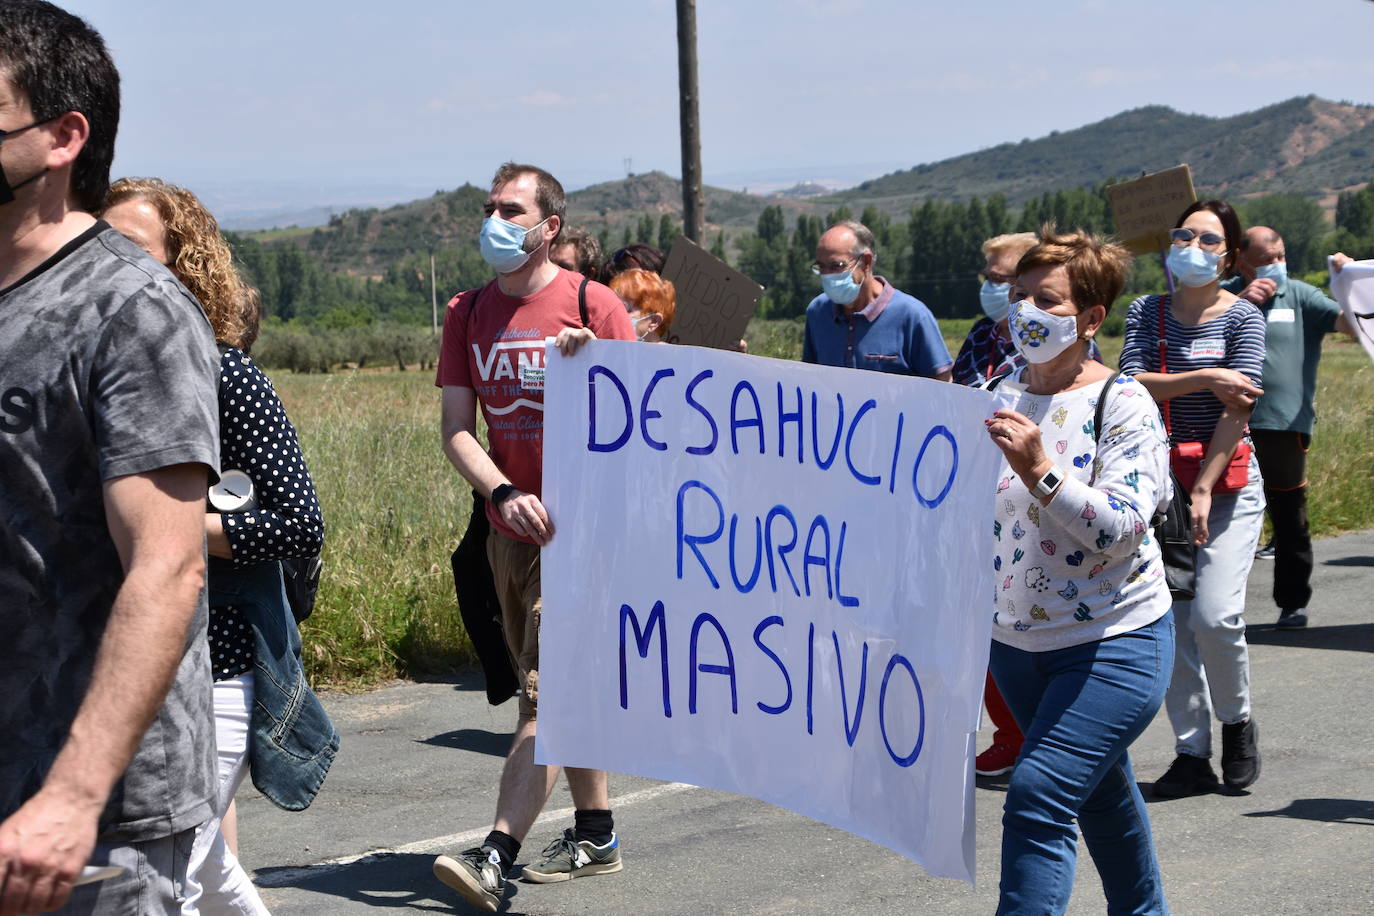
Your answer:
<point x="453" y="842"/>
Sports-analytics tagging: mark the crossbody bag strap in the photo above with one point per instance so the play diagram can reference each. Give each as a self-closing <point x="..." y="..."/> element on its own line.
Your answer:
<point x="1164" y="355"/>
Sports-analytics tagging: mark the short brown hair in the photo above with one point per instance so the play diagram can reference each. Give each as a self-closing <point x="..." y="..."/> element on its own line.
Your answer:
<point x="1096" y="266"/>
<point x="548" y="193"/>
<point x="646" y="291"/>
<point x="587" y="247"/>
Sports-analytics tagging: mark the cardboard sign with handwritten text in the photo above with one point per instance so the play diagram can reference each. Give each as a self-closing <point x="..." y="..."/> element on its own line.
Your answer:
<point x="714" y="301"/>
<point x="1145" y="209"/>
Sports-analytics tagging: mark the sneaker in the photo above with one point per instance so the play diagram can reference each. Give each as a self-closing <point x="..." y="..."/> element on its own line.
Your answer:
<point x="996" y="760"/>
<point x="1293" y="618"/>
<point x="1265" y="552"/>
<point x="1187" y="775"/>
<point x="1240" y="757"/>
<point x="476" y="874"/>
<point x="568" y="857"/>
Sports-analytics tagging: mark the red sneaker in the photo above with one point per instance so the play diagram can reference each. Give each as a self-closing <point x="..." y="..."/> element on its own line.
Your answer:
<point x="996" y="760"/>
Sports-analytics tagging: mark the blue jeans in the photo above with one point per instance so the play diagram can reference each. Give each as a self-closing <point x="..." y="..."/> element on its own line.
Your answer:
<point x="1080" y="708"/>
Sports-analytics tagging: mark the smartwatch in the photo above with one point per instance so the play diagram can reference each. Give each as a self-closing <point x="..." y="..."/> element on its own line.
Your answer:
<point x="501" y="494"/>
<point x="1046" y="485"/>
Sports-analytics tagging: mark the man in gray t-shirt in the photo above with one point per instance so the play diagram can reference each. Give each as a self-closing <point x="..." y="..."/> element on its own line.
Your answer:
<point x="108" y="433"/>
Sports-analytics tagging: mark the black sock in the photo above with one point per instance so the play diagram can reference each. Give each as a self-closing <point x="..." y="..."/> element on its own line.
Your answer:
<point x="506" y="846"/>
<point x="593" y="825"/>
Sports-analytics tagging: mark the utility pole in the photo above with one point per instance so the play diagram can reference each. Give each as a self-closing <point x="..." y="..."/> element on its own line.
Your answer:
<point x="693" y="201"/>
<point x="433" y="299"/>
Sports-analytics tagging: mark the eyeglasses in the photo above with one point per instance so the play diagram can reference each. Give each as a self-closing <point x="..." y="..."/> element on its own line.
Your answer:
<point x="1184" y="237"/>
<point x="832" y="267"/>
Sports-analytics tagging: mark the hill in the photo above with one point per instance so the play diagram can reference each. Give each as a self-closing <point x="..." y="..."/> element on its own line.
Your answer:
<point x="1306" y="145"/>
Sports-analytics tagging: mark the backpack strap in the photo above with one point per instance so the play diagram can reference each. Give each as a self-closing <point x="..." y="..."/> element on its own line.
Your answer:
<point x="996" y="380"/>
<point x="582" y="302"/>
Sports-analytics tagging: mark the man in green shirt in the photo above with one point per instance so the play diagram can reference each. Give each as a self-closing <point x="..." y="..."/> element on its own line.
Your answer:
<point x="1297" y="317"/>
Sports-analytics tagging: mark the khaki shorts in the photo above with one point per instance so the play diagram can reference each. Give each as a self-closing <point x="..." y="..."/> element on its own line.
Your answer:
<point x="515" y="573"/>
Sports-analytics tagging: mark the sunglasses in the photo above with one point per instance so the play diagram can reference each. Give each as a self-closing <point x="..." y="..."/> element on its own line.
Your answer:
<point x="1184" y="237"/>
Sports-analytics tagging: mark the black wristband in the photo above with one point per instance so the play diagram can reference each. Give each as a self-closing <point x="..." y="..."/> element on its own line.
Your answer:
<point x="501" y="494"/>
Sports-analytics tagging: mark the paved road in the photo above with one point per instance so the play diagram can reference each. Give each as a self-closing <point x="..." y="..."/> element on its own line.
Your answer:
<point x="420" y="765"/>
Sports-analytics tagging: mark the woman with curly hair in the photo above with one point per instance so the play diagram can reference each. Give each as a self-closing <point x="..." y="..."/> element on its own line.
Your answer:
<point x="268" y="512"/>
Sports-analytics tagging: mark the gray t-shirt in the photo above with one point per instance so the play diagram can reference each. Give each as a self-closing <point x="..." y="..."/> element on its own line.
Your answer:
<point x="109" y="369"/>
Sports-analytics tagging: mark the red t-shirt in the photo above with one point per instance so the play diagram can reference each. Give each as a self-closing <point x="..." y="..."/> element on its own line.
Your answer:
<point x="494" y="344"/>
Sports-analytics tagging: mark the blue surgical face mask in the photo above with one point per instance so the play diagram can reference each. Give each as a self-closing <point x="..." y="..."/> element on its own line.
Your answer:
<point x="841" y="287"/>
<point x="503" y="243"/>
<point x="1278" y="272"/>
<point x="995" y="299"/>
<point x="1192" y="266"/>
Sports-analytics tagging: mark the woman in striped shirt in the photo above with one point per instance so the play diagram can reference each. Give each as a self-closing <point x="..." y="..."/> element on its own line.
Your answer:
<point x="1213" y="353"/>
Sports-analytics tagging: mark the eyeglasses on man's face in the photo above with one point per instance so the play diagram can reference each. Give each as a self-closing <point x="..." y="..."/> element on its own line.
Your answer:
<point x="833" y="267"/>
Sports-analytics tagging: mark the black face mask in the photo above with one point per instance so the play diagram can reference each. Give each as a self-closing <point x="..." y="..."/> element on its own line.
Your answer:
<point x="6" y="189"/>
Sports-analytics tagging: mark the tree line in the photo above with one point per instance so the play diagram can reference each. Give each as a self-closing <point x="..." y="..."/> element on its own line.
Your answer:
<point x="934" y="254"/>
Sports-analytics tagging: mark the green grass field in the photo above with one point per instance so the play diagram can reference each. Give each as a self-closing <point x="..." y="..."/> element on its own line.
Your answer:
<point x="395" y="509"/>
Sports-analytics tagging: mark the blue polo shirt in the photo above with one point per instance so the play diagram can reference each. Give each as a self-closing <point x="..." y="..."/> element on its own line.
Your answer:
<point x="893" y="333"/>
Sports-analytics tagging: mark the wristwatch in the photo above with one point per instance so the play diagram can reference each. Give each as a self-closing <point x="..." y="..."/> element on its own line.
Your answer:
<point x="501" y="494"/>
<point x="1046" y="485"/>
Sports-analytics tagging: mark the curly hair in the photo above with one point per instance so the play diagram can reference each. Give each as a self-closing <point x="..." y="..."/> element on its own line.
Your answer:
<point x="1097" y="267"/>
<point x="647" y="292"/>
<point x="197" y="254"/>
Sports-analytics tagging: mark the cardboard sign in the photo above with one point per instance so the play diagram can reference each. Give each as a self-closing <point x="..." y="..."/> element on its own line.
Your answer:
<point x="1145" y="209"/>
<point x="771" y="578"/>
<point x="714" y="301"/>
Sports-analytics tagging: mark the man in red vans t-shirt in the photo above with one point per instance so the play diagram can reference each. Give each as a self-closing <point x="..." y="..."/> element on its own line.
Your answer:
<point x="493" y="355"/>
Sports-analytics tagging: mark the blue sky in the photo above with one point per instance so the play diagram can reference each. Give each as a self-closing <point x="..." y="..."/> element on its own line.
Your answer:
<point x="304" y="101"/>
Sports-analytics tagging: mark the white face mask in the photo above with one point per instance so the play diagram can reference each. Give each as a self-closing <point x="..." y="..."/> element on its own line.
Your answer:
<point x="1038" y="335"/>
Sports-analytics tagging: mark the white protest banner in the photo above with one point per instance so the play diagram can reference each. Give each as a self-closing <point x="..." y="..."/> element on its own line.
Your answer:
<point x="771" y="578"/>
<point x="1353" y="289"/>
<point x="1146" y="208"/>
<point x="714" y="301"/>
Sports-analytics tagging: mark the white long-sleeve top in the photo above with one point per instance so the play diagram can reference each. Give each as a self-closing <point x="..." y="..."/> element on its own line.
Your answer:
<point x="1087" y="566"/>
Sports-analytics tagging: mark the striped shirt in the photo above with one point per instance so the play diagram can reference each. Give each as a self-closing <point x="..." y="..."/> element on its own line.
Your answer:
<point x="1232" y="340"/>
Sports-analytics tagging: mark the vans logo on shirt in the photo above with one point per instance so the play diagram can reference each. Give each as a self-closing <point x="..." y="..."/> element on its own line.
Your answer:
<point x="18" y="408"/>
<point x="1208" y="348"/>
<point x="507" y="358"/>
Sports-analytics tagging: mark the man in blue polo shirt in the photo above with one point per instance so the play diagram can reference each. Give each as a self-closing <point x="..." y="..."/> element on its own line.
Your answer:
<point x="864" y="322"/>
<point x="1297" y="317"/>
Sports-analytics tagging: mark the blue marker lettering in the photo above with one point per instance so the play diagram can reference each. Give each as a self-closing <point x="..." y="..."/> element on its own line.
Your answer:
<point x="646" y="414"/>
<point x="813" y="559"/>
<point x="592" y="444"/>
<point x="727" y="669"/>
<point x="787" y="678"/>
<point x="782" y="549"/>
<point x="845" y="600"/>
<point x="785" y="417"/>
<point x="953" y="467"/>
<point x="642" y="637"/>
<point x="815" y="429"/>
<point x="692" y="540"/>
<point x="745" y="588"/>
<point x="920" y="705"/>
<point x="709" y="447"/>
<point x="810" y="676"/>
<point x="849" y="442"/>
<point x="738" y="423"/>
<point x="851" y="733"/>
<point x="896" y="453"/>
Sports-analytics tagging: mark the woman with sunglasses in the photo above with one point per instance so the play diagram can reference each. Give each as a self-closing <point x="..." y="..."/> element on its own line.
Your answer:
<point x="1199" y="352"/>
